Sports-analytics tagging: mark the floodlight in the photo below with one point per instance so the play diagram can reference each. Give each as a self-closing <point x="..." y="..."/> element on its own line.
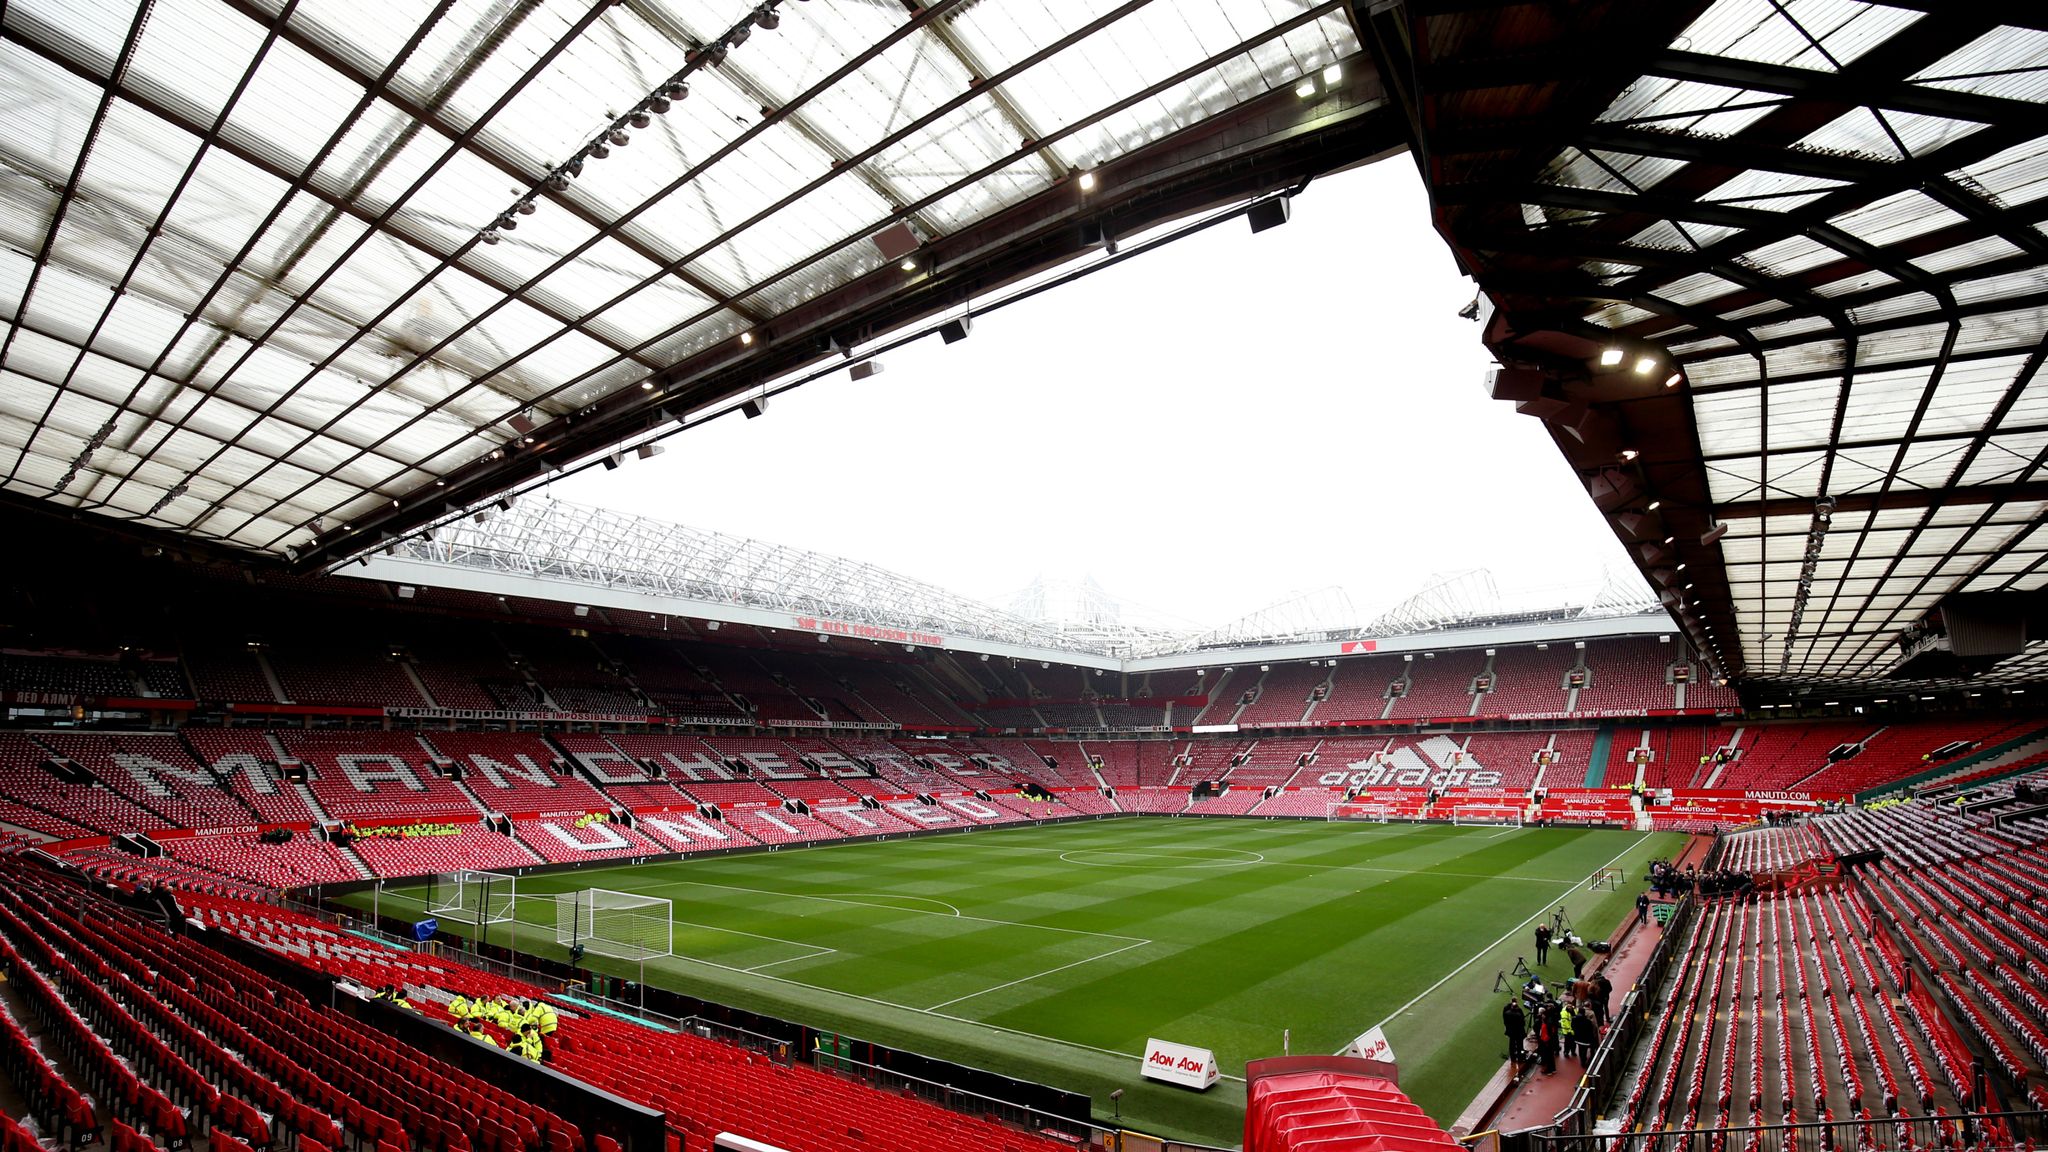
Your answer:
<point x="1653" y="505"/>
<point x="1332" y="74"/>
<point x="1672" y="380"/>
<point x="746" y="337"/>
<point x="1645" y="365"/>
<point x="909" y="264"/>
<point x="407" y="591"/>
<point x="1086" y="181"/>
<point x="1610" y="357"/>
<point x="582" y="610"/>
<point x="1306" y="88"/>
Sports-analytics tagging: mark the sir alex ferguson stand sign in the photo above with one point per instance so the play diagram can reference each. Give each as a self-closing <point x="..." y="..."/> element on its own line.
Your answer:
<point x="1179" y="1064"/>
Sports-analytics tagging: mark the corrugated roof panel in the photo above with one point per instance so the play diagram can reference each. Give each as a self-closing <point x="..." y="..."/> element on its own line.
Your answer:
<point x="2004" y="62"/>
<point x="1900" y="216"/>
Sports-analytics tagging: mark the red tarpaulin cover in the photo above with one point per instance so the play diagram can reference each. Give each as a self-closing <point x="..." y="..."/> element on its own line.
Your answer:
<point x="1333" y="1104"/>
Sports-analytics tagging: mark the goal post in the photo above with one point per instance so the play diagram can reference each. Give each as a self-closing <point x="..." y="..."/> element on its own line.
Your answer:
<point x="1607" y="879"/>
<point x="617" y="924"/>
<point x="473" y="897"/>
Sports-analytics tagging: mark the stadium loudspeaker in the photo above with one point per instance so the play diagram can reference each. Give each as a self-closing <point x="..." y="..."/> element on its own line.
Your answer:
<point x="865" y="369"/>
<point x="1630" y="522"/>
<point x="895" y="242"/>
<point x="1611" y="488"/>
<point x="754" y="407"/>
<point x="1516" y="384"/>
<point x="954" y="331"/>
<point x="1653" y="552"/>
<point x="1269" y="213"/>
<point x="611" y="461"/>
<point x="649" y="450"/>
<point x="1713" y="535"/>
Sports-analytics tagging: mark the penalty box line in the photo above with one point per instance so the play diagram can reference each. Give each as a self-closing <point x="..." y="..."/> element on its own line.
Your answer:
<point x="1038" y="975"/>
<point x="932" y="1012"/>
<point x="954" y="915"/>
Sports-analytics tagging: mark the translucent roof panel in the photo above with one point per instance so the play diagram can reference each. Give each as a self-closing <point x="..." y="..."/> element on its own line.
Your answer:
<point x="343" y="271"/>
<point x="1826" y="214"/>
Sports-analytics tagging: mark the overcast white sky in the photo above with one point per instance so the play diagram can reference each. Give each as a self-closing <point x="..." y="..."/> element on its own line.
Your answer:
<point x="1204" y="430"/>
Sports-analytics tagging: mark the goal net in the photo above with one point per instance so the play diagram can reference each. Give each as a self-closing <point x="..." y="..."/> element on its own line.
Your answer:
<point x="1489" y="814"/>
<point x="471" y="897"/>
<point x="1370" y="813"/>
<point x="617" y="924"/>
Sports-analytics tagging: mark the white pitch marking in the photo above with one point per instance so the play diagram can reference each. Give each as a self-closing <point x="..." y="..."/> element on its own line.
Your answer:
<point x="897" y="896"/>
<point x="1036" y="975"/>
<point x="891" y="908"/>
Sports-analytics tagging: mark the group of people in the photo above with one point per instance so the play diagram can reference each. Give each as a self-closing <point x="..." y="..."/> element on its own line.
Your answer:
<point x="1540" y="1025"/>
<point x="1670" y="881"/>
<point x="1571" y="945"/>
<point x="528" y="1023"/>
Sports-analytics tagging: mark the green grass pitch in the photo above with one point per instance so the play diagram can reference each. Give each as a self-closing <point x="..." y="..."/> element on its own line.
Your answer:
<point x="1050" y="953"/>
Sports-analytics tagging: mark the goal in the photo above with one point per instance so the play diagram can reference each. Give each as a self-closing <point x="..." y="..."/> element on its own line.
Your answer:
<point x="471" y="897"/>
<point x="1369" y="813"/>
<point x="617" y="924"/>
<point x="1489" y="814"/>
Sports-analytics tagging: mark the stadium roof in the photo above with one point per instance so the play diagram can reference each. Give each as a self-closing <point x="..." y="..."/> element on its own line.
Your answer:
<point x="548" y="549"/>
<point x="1773" y="266"/>
<point x="286" y="274"/>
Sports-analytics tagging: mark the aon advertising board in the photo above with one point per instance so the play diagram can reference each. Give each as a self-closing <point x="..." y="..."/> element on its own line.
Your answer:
<point x="1179" y="1064"/>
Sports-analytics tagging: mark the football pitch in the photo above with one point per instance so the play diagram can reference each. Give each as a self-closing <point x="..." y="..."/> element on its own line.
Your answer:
<point x="1050" y="953"/>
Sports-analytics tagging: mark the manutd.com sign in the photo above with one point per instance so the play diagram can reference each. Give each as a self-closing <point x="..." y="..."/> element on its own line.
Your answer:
<point x="1179" y="1064"/>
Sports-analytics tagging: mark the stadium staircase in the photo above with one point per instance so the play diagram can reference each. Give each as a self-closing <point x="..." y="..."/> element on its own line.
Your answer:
<point x="269" y="676"/>
<point x="1715" y="770"/>
<point x="412" y="674"/>
<point x="305" y="795"/>
<point x="348" y="855"/>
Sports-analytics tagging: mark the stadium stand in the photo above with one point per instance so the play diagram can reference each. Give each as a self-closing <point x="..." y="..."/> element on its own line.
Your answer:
<point x="39" y="800"/>
<point x="411" y="850"/>
<point x="1358" y="690"/>
<point x="1776" y="756"/>
<point x="1284" y="694"/>
<point x="341" y="674"/>
<point x="68" y="674"/>
<point x="1529" y="681"/>
<point x="1627" y="676"/>
<point x="249" y="761"/>
<point x="375" y="776"/>
<point x="1439" y="685"/>
<point x="227" y="674"/>
<point x="515" y="772"/>
<point x="156" y="772"/>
